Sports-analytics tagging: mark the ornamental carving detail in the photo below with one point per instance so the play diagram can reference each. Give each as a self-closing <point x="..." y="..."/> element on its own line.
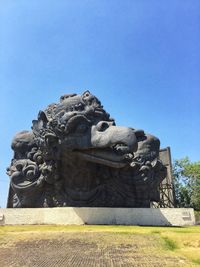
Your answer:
<point x="75" y="155"/>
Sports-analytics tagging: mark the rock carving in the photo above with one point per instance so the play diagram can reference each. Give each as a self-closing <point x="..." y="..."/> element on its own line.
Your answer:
<point x="76" y="156"/>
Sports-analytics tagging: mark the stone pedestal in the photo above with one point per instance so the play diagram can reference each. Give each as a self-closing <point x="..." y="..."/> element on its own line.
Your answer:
<point x="98" y="216"/>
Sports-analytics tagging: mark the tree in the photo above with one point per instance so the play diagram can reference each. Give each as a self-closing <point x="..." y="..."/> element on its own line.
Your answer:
<point x="187" y="183"/>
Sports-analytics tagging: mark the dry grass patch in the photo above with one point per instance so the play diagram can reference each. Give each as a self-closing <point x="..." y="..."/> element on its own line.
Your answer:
<point x="129" y="245"/>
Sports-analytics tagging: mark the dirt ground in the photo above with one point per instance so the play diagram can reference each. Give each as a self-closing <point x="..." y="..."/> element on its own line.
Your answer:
<point x="85" y="249"/>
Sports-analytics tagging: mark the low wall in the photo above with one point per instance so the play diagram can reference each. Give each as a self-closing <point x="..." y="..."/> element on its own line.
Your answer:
<point x="109" y="216"/>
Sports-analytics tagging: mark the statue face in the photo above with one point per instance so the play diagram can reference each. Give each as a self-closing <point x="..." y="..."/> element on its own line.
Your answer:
<point x="80" y="124"/>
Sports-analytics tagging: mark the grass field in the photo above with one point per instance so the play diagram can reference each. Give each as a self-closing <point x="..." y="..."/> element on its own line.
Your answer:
<point x="128" y="245"/>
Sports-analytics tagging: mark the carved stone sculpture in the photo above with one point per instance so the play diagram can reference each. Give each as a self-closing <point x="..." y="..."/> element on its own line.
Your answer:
<point x="76" y="156"/>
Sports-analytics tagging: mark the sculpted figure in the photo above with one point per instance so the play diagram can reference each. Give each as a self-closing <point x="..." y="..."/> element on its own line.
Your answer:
<point x="75" y="155"/>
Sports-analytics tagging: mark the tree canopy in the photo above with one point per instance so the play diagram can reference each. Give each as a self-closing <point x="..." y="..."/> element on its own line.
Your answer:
<point x="187" y="183"/>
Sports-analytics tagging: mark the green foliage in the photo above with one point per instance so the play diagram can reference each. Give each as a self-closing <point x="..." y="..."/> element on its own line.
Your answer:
<point x="197" y="261"/>
<point x="187" y="183"/>
<point x="169" y="243"/>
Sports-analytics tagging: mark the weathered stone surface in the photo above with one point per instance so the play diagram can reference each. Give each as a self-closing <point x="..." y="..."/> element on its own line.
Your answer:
<point x="75" y="155"/>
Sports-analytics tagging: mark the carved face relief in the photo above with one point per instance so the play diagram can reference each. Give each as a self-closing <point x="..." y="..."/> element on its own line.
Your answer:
<point x="77" y="156"/>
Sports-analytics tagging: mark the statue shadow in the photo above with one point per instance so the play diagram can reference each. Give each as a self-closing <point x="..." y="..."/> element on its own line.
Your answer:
<point x="123" y="216"/>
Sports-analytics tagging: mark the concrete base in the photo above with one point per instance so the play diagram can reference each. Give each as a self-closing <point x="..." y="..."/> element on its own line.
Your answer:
<point x="109" y="216"/>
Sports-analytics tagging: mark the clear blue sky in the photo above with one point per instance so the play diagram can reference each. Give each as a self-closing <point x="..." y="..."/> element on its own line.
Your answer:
<point x="140" y="57"/>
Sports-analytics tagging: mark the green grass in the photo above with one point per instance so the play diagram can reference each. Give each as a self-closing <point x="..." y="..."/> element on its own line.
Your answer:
<point x="196" y="261"/>
<point x="169" y="243"/>
<point x="112" y="228"/>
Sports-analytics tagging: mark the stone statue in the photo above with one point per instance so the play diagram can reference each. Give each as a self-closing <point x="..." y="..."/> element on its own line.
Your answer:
<point x="76" y="156"/>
